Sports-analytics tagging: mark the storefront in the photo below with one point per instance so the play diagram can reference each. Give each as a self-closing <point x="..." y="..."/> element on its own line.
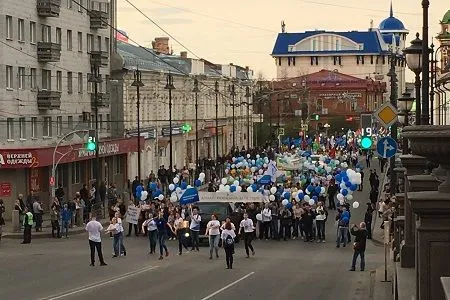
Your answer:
<point x="23" y="170"/>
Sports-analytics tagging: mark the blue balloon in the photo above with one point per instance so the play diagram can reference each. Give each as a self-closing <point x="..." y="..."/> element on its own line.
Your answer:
<point x="184" y="185"/>
<point x="289" y="205"/>
<point x="353" y="187"/>
<point x="287" y="195"/>
<point x="153" y="186"/>
<point x="318" y="189"/>
<point x="310" y="188"/>
<point x="254" y="187"/>
<point x="233" y="188"/>
<point x="301" y="196"/>
<point x="344" y="192"/>
<point x="338" y="178"/>
<point x="315" y="198"/>
<point x="198" y="183"/>
<point x="345" y="178"/>
<point x="348" y="184"/>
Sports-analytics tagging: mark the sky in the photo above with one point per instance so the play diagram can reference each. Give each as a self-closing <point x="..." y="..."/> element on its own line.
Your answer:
<point x="243" y="32"/>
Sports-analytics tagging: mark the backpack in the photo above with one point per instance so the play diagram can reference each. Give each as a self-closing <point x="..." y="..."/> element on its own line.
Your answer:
<point x="229" y="241"/>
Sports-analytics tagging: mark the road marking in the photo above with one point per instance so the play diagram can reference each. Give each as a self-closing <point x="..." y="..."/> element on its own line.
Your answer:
<point x="228" y="286"/>
<point x="100" y="283"/>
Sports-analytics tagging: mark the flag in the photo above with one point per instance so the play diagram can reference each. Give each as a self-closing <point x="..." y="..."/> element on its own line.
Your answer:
<point x="122" y="36"/>
<point x="189" y="196"/>
<point x="271" y="170"/>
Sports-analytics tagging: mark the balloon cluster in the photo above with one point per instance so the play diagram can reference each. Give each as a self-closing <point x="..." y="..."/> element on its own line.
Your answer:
<point x="348" y="182"/>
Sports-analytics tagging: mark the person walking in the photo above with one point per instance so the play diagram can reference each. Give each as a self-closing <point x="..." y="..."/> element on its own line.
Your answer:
<point x="180" y="226"/>
<point x="368" y="220"/>
<point x="55" y="215"/>
<point x="27" y="224"/>
<point x="152" y="232"/>
<point x="161" y="224"/>
<point x="343" y="221"/>
<point x="247" y="226"/>
<point x="2" y="220"/>
<point x="213" y="231"/>
<point x="228" y="236"/>
<point x="119" y="248"/>
<point x="37" y="214"/>
<point x="195" y="228"/>
<point x="359" y="247"/>
<point x="94" y="228"/>
<point x="66" y="218"/>
<point x="321" y="218"/>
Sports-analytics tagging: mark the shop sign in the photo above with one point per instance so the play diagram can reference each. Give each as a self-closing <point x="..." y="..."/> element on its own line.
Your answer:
<point x="5" y="189"/>
<point x="103" y="150"/>
<point x="18" y="160"/>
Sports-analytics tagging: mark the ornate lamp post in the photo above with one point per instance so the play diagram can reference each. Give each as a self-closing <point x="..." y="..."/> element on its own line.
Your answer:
<point x="169" y="86"/>
<point x="138" y="84"/>
<point x="414" y="61"/>
<point x="196" y="90"/>
<point x="404" y="105"/>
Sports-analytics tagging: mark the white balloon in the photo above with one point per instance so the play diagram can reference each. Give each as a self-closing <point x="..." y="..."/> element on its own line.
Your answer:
<point x="272" y="198"/>
<point x="171" y="187"/>
<point x="249" y="189"/>
<point x="341" y="202"/>
<point x="349" y="197"/>
<point x="173" y="198"/>
<point x="322" y="190"/>
<point x="285" y="202"/>
<point x="311" y="202"/>
<point x="178" y="190"/>
<point x="202" y="179"/>
<point x="306" y="198"/>
<point x="189" y="186"/>
<point x="294" y="195"/>
<point x="143" y="197"/>
<point x="342" y="185"/>
<point x="260" y="171"/>
<point x="273" y="190"/>
<point x="221" y="187"/>
<point x="238" y="189"/>
<point x="258" y="156"/>
<point x="251" y="181"/>
<point x="355" y="204"/>
<point x="227" y="171"/>
<point x="253" y="169"/>
<point x="236" y="183"/>
<point x="224" y="181"/>
<point x="227" y="188"/>
<point x="176" y="180"/>
<point x="340" y="197"/>
<point x="265" y="165"/>
<point x="161" y="197"/>
<point x="248" y="155"/>
<point x="259" y="217"/>
<point x="233" y="166"/>
<point x="201" y="175"/>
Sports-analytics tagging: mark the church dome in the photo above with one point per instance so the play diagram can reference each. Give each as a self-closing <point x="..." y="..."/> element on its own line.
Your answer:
<point x="392" y="24"/>
<point x="446" y="18"/>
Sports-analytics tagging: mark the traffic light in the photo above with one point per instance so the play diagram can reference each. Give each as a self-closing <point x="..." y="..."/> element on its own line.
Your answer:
<point x="315" y="117"/>
<point x="185" y="128"/>
<point x="91" y="144"/>
<point x="366" y="142"/>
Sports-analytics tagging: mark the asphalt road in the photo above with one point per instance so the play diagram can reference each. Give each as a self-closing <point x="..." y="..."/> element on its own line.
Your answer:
<point x="59" y="269"/>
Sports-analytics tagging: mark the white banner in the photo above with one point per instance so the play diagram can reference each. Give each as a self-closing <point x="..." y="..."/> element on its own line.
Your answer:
<point x="133" y="213"/>
<point x="230" y="197"/>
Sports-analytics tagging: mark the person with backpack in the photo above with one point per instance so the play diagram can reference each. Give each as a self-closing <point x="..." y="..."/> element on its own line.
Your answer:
<point x="228" y="236"/>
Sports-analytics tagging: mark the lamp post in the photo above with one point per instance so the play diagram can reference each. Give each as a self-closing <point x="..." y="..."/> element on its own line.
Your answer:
<point x="233" y="96"/>
<point x="248" y="95"/>
<point x="169" y="86"/>
<point x="216" y="91"/>
<point x="425" y="117"/>
<point x="138" y="84"/>
<point x="414" y="61"/>
<point x="405" y="104"/>
<point x="196" y="90"/>
<point x="432" y="85"/>
<point x="393" y="100"/>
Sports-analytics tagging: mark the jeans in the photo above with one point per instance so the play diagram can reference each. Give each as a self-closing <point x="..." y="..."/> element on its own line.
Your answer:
<point x="181" y="240"/>
<point x="248" y="242"/>
<point x="118" y="246"/>
<point x="55" y="226"/>
<point x="96" y="245"/>
<point x="266" y="226"/>
<point x="355" y="257"/>
<point x="274" y="227"/>
<point x="320" y="224"/>
<point x="65" y="227"/>
<point x="162" y="235"/>
<point x="308" y="228"/>
<point x="214" y="244"/>
<point x="195" y="239"/>
<point x="229" y="256"/>
<point x="295" y="230"/>
<point x="342" y="236"/>
<point x="130" y="226"/>
<point x="152" y="237"/>
<point x="284" y="230"/>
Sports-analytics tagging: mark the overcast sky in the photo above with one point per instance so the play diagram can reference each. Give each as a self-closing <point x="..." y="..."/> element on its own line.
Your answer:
<point x="244" y="31"/>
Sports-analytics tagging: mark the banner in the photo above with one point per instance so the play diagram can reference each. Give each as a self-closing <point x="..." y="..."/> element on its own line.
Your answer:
<point x="189" y="196"/>
<point x="243" y="197"/>
<point x="133" y="213"/>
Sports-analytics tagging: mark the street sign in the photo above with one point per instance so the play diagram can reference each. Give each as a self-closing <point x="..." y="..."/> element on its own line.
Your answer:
<point x="387" y="147"/>
<point x="386" y="115"/>
<point x="52" y="181"/>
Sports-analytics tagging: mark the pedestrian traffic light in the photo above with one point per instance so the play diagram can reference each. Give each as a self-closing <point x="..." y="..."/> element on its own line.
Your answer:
<point x="186" y="128"/>
<point x="91" y="144"/>
<point x="315" y="117"/>
<point x="366" y="142"/>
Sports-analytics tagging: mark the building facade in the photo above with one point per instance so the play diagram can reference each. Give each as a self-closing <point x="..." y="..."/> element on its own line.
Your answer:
<point x="47" y="52"/>
<point x="155" y="65"/>
<point x="362" y="54"/>
<point x="441" y="71"/>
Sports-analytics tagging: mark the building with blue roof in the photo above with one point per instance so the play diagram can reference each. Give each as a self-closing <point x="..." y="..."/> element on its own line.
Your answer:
<point x="363" y="54"/>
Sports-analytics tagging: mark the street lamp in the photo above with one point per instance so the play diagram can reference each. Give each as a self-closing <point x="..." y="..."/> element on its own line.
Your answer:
<point x="425" y="118"/>
<point x="404" y="105"/>
<point x="196" y="90"/>
<point x="138" y="84"/>
<point x="216" y="91"/>
<point x="414" y="61"/>
<point x="248" y="95"/>
<point x="169" y="86"/>
<point x="233" y="96"/>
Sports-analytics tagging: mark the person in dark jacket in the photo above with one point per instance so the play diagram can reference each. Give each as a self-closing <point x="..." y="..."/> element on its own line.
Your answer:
<point x="368" y="220"/>
<point x="308" y="218"/>
<point x="359" y="247"/>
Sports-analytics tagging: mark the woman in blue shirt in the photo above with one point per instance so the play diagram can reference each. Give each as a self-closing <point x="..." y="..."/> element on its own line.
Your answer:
<point x="161" y="224"/>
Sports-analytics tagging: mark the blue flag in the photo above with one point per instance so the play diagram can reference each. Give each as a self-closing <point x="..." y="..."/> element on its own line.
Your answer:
<point x="189" y="196"/>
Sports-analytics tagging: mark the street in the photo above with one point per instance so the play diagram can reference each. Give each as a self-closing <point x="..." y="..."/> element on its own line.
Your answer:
<point x="59" y="269"/>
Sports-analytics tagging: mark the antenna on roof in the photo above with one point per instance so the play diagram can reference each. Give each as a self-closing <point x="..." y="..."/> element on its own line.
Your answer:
<point x="392" y="11"/>
<point x="283" y="27"/>
<point x="371" y="23"/>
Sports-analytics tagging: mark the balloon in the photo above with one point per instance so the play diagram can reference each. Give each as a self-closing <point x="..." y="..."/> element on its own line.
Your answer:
<point x="349" y="197"/>
<point x="338" y="178"/>
<point x="161" y="197"/>
<point x="248" y="155"/>
<point x="315" y="198"/>
<point x="342" y="185"/>
<point x="287" y="195"/>
<point x="238" y="189"/>
<point x="176" y="180"/>
<point x="273" y="190"/>
<point x="173" y="198"/>
<point x="301" y="196"/>
<point x="227" y="171"/>
<point x="202" y="175"/>
<point x="289" y="206"/>
<point x="250" y="189"/>
<point x="171" y="187"/>
<point x="355" y="204"/>
<point x="183" y="185"/>
<point x="258" y="156"/>
<point x="318" y="189"/>
<point x="340" y="197"/>
<point x="198" y="183"/>
<point x="178" y="190"/>
<point x="224" y="181"/>
<point x="153" y="186"/>
<point x="329" y="177"/>
<point x="284" y="202"/>
<point x="353" y="187"/>
<point x="143" y="197"/>
<point x="344" y="192"/>
<point x="221" y="187"/>
<point x="348" y="184"/>
<point x="322" y="190"/>
<point x="233" y="159"/>
<point x="259" y="217"/>
<point x="233" y="188"/>
<point x="272" y="198"/>
<point x="227" y="188"/>
<point x="311" y="202"/>
<point x="306" y="198"/>
<point x="236" y="183"/>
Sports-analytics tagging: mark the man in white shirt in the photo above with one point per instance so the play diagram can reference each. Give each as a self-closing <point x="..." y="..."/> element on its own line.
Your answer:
<point x="266" y="219"/>
<point x="247" y="225"/>
<point x="195" y="228"/>
<point x="94" y="228"/>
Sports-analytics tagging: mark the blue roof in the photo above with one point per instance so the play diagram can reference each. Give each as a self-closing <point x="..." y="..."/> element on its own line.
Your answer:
<point x="387" y="37"/>
<point x="368" y="38"/>
<point x="392" y="23"/>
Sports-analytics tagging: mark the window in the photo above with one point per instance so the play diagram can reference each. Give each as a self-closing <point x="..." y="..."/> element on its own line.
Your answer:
<point x="46" y="33"/>
<point x="10" y="128"/>
<point x="279" y="61"/>
<point x="80" y="83"/>
<point x="9" y="77"/>
<point x="107" y="44"/>
<point x="69" y="4"/>
<point x="371" y="59"/>
<point x="33" y="127"/>
<point x="33" y="78"/>
<point x="314" y="45"/>
<point x="70" y="122"/>
<point x="9" y="28"/>
<point x="362" y="59"/>
<point x="69" y="39"/>
<point x="99" y="43"/>
<point x="80" y="41"/>
<point x="59" y="81"/>
<point x="46" y="80"/>
<point x="89" y="84"/>
<point x="21" y="78"/>
<point x="21" y="30"/>
<point x="90" y="42"/>
<point x="338" y="46"/>
<point x="69" y="83"/>
<point x="80" y="6"/>
<point x="312" y="60"/>
<point x="33" y="32"/>
<point x="22" y="128"/>
<point x="293" y="61"/>
<point x="118" y="164"/>
<point x="47" y="127"/>
<point x="59" y="126"/>
<point x="76" y="172"/>
<point x="108" y="122"/>
<point x="100" y="121"/>
<point x="289" y="61"/>
<point x="58" y="35"/>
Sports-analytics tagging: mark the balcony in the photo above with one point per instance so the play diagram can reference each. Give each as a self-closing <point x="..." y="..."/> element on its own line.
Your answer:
<point x="48" y="52"/>
<point x="99" y="19"/>
<point x="48" y="100"/>
<point x="48" y="8"/>
<point x="102" y="100"/>
<point x="99" y="58"/>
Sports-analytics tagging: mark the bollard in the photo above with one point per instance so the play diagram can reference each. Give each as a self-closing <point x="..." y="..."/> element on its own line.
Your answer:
<point x="15" y="221"/>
